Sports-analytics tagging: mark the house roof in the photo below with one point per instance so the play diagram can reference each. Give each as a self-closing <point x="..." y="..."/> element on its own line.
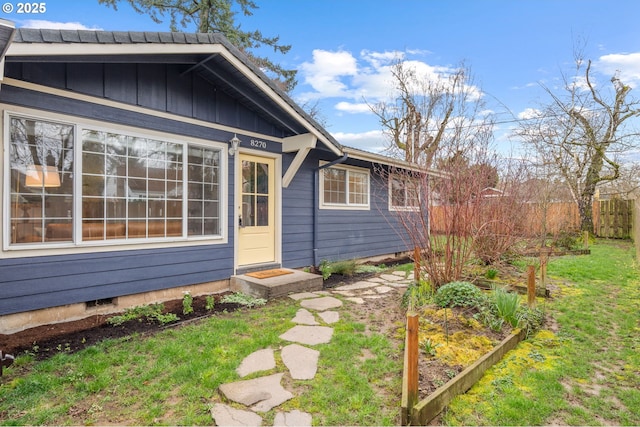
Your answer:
<point x="210" y="55"/>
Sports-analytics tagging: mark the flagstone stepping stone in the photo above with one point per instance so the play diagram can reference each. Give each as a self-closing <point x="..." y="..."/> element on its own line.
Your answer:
<point x="293" y="418"/>
<point x="356" y="300"/>
<point x="305" y="317"/>
<point x="309" y="335"/>
<point x="345" y="293"/>
<point x="329" y="317"/>
<point x="391" y="277"/>
<point x="357" y="286"/>
<point x="402" y="274"/>
<point x="225" y="415"/>
<point x="376" y="280"/>
<point x="401" y="284"/>
<point x="261" y="360"/>
<point x="383" y="289"/>
<point x="263" y="393"/>
<point x="304" y="295"/>
<point x="321" y="304"/>
<point x="302" y="362"/>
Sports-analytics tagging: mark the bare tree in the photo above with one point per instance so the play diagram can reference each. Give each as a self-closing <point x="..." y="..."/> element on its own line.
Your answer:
<point x="439" y="121"/>
<point x="428" y="112"/>
<point x="581" y="132"/>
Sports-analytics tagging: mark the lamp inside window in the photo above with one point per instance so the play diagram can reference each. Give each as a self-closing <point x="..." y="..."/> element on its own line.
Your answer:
<point x="42" y="176"/>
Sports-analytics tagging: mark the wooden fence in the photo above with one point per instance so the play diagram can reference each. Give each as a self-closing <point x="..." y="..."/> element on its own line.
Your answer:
<point x="612" y="218"/>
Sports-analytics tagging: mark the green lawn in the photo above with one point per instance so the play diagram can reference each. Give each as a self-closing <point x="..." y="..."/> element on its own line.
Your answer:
<point x="583" y="370"/>
<point x="585" y="373"/>
<point x="172" y="377"/>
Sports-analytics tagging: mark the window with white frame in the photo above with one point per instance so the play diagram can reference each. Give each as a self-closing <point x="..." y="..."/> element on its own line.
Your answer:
<point x="344" y="187"/>
<point x="404" y="193"/>
<point x="131" y="187"/>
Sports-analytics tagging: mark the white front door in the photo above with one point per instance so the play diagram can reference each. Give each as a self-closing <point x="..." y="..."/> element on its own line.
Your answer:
<point x="255" y="195"/>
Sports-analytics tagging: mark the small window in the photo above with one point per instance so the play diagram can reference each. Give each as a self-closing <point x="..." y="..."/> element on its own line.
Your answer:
<point x="404" y="193"/>
<point x="344" y="188"/>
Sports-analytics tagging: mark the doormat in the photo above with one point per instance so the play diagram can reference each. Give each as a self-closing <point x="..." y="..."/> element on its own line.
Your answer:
<point x="265" y="274"/>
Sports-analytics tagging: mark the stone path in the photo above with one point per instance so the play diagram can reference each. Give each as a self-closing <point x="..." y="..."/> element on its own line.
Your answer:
<point x="317" y="312"/>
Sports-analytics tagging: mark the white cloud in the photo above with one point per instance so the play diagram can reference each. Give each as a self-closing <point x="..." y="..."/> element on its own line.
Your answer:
<point x="326" y="72"/>
<point x="626" y="65"/>
<point x="53" y="25"/>
<point x="368" y="77"/>
<point x="529" y="113"/>
<point x="352" y="107"/>
<point x="373" y="140"/>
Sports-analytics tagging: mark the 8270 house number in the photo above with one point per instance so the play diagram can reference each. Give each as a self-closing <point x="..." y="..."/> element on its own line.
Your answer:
<point x="258" y="143"/>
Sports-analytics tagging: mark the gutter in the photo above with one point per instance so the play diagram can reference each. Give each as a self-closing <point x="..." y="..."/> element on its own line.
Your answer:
<point x="316" y="203"/>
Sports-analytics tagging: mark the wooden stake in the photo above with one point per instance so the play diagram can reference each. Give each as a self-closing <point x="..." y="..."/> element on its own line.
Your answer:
<point x="544" y="258"/>
<point x="531" y="285"/>
<point x="585" y="236"/>
<point x="412" y="359"/>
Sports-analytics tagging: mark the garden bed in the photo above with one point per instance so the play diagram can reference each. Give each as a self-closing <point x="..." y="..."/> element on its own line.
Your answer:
<point x="45" y="341"/>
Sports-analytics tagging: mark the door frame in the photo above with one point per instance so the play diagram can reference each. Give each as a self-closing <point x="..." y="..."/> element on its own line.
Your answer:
<point x="237" y="167"/>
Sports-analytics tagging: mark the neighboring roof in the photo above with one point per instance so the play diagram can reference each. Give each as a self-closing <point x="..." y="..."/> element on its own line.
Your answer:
<point x="226" y="67"/>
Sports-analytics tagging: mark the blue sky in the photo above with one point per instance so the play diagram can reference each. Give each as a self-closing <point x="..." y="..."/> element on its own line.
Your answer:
<point x="342" y="47"/>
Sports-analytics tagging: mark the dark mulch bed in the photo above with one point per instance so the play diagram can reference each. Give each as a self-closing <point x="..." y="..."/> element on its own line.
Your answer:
<point x="47" y="340"/>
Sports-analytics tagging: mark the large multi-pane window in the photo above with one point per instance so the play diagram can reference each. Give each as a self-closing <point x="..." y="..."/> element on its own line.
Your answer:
<point x="130" y="188"/>
<point x="345" y="187"/>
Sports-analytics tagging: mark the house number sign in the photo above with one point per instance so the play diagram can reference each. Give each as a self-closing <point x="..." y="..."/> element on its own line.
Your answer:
<point x="257" y="143"/>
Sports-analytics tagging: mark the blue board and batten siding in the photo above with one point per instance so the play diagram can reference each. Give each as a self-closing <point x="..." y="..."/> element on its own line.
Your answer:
<point x="340" y="234"/>
<point x="309" y="234"/>
<point x="32" y="283"/>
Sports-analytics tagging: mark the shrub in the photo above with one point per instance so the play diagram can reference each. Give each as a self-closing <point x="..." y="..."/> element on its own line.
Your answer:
<point x="458" y="294"/>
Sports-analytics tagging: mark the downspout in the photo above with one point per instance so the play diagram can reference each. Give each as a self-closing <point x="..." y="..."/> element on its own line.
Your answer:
<point x="316" y="203"/>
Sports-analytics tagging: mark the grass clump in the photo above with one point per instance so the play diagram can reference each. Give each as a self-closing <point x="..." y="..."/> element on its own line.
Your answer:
<point x="345" y="268"/>
<point x="458" y="294"/>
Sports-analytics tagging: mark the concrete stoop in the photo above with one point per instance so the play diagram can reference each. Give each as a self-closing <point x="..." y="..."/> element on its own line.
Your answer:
<point x="278" y="286"/>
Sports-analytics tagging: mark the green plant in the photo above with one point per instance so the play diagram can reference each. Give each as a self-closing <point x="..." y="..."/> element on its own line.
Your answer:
<point x="163" y="319"/>
<point x="429" y="347"/>
<point x="243" y="300"/>
<point x="144" y="312"/>
<point x="210" y="302"/>
<point x="491" y="273"/>
<point x="566" y="240"/>
<point x="530" y="318"/>
<point x="507" y="304"/>
<point x="325" y="269"/>
<point x="187" y="303"/>
<point x="458" y="294"/>
<point x="417" y="295"/>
